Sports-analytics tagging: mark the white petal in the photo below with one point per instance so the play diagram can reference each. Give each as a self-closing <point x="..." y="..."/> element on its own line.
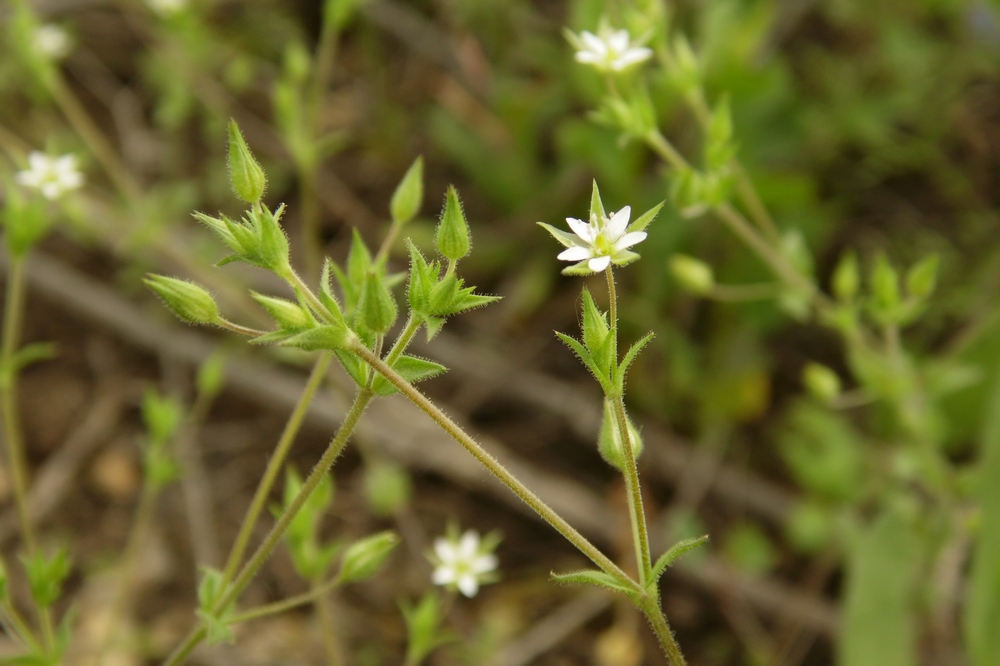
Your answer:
<point x="38" y="161"/>
<point x="598" y="264"/>
<point x="581" y="229"/>
<point x="618" y="40"/>
<point x="484" y="564"/>
<point x="594" y="44"/>
<point x="590" y="58"/>
<point x="51" y="191"/>
<point x="618" y="223"/>
<point x="443" y="576"/>
<point x="27" y="178"/>
<point x="445" y="550"/>
<point x="631" y="57"/>
<point x="630" y="239"/>
<point x="468" y="585"/>
<point x="575" y="254"/>
<point x="468" y="546"/>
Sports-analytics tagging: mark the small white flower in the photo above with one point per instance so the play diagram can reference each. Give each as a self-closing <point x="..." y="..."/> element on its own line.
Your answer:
<point x="610" y="50"/>
<point x="52" y="176"/>
<point x="166" y="7"/>
<point x="462" y="563"/>
<point x="52" y="42"/>
<point x="603" y="241"/>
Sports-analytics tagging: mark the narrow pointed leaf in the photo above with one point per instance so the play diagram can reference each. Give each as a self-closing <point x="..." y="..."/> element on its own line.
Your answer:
<point x="629" y="357"/>
<point x="412" y="368"/>
<point x="675" y="552"/>
<point x="591" y="577"/>
<point x="643" y="220"/>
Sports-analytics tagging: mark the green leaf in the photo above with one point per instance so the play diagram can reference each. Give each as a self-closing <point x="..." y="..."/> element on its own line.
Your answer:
<point x="674" y="552"/>
<point x="216" y="628"/>
<point x="921" y="279"/>
<point x="885" y="290"/>
<point x="587" y="360"/>
<point x="355" y="367"/>
<point x="288" y="315"/>
<point x="412" y="368"/>
<point x="46" y="575"/>
<point x="326" y="338"/>
<point x="595" y="331"/>
<point x="564" y="237"/>
<point x="628" y="359"/>
<point x="879" y="619"/>
<point x="593" y="577"/>
<point x="846" y="277"/>
<point x="326" y="296"/>
<point x="982" y="608"/>
<point x="359" y="262"/>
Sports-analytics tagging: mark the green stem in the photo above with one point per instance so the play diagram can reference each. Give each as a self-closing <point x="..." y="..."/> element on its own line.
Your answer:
<point x="328" y="630"/>
<point x="650" y="607"/>
<point x="403" y="341"/>
<point x="21" y="627"/>
<point x="273" y="538"/>
<point x="238" y="328"/>
<point x="494" y="466"/>
<point x="12" y="320"/>
<point x="637" y="513"/>
<point x="281" y="450"/>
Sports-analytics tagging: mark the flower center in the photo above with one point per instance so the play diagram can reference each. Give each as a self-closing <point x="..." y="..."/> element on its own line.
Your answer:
<point x="602" y="245"/>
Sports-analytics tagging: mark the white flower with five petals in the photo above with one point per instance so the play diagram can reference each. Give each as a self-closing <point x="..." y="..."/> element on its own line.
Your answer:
<point x="52" y="176"/>
<point x="603" y="241"/>
<point x="463" y="563"/>
<point x="610" y="50"/>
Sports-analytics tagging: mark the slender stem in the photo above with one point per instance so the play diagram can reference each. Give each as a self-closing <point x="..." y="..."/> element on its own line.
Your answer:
<point x="328" y="630"/>
<point x="21" y="627"/>
<point x="299" y="286"/>
<point x="494" y="466"/>
<point x="287" y="604"/>
<point x="637" y="513"/>
<point x="403" y="341"/>
<point x="650" y="607"/>
<point x="281" y="450"/>
<point x="666" y="150"/>
<point x="12" y="321"/>
<point x="273" y="538"/>
<point x="238" y="328"/>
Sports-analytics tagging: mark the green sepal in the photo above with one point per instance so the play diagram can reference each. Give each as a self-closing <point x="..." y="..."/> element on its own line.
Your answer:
<point x="643" y="220"/>
<point x="626" y="362"/>
<point x="452" y="237"/>
<point x="673" y="553"/>
<point x="377" y="309"/>
<point x="593" y="577"/>
<point x="433" y="325"/>
<point x="351" y="280"/>
<point x="423" y="277"/>
<point x="846" y="277"/>
<point x="921" y="279"/>
<point x="365" y="557"/>
<point x="886" y="300"/>
<point x="719" y="148"/>
<point x="564" y="237"/>
<point x="412" y="368"/>
<point x="596" y="205"/>
<point x="580" y="268"/>
<point x="587" y="360"/>
<point x="326" y="296"/>
<point x="449" y="297"/>
<point x="290" y="316"/>
<point x="329" y="337"/>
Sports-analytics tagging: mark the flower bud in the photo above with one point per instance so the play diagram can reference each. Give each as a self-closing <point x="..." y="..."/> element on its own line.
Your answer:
<point x="376" y="307"/>
<point x="363" y="558"/>
<point x="609" y="442"/>
<point x="409" y="194"/>
<point x="693" y="274"/>
<point x="453" y="231"/>
<point x="846" y="277"/>
<point x="188" y="301"/>
<point x="922" y="278"/>
<point x="387" y="487"/>
<point x="245" y="174"/>
<point x="288" y="315"/>
<point x="821" y="381"/>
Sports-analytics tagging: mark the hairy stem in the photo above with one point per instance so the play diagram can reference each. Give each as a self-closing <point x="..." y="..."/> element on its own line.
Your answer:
<point x="273" y="538"/>
<point x="292" y="427"/>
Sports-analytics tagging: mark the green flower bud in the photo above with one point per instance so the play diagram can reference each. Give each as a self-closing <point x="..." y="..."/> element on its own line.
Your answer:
<point x="245" y="174"/>
<point x="288" y="315"/>
<point x="453" y="231"/>
<point x="846" y="277"/>
<point x="693" y="274"/>
<point x="363" y="558"/>
<point x="211" y="375"/>
<point x="190" y="302"/>
<point x="821" y="381"/>
<point x="376" y="307"/>
<point x="46" y="575"/>
<point x="409" y="194"/>
<point x="609" y="442"/>
<point x="885" y="289"/>
<point x="161" y="414"/>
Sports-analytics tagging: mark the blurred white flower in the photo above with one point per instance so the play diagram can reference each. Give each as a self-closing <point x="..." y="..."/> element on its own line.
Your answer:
<point x="610" y="50"/>
<point x="463" y="563"/>
<point x="602" y="241"/>
<point x="52" y="176"/>
<point x="52" y="42"/>
<point x="165" y="7"/>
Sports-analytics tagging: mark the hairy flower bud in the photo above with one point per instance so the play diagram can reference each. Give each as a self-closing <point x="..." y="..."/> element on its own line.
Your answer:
<point x="245" y="174"/>
<point x="190" y="302"/>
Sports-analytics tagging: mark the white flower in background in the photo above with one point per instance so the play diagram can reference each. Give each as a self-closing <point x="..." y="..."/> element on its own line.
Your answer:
<point x="52" y="42"/>
<point x="463" y="563"/>
<point x="165" y="7"/>
<point x="52" y="176"/>
<point x="610" y="50"/>
<point x="601" y="242"/>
